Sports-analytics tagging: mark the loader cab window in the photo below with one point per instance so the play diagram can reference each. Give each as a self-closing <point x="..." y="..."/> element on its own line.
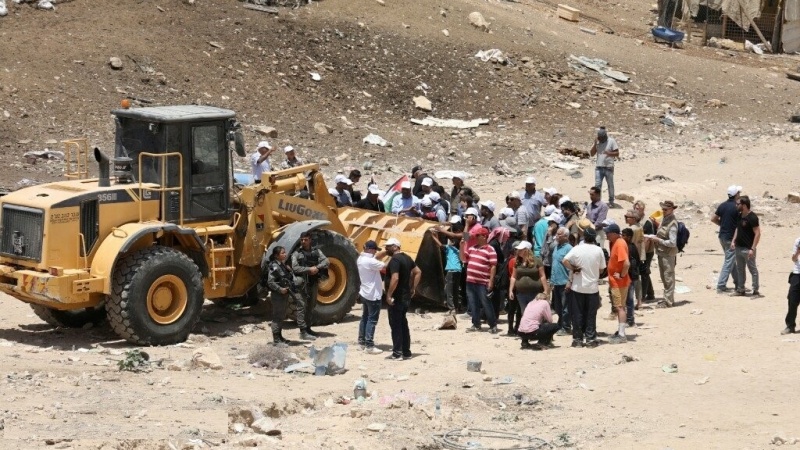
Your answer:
<point x="208" y="166"/>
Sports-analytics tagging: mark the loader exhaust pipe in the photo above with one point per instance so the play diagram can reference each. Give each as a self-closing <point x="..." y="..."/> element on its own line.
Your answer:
<point x="103" y="168"/>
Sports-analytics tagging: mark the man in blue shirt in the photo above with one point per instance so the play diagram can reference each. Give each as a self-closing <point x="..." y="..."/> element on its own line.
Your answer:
<point x="725" y="217"/>
<point x="540" y="230"/>
<point x="558" y="280"/>
<point x="405" y="204"/>
<point x="452" y="268"/>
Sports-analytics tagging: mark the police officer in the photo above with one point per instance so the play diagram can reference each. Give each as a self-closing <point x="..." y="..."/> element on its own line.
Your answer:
<point x="307" y="262"/>
<point x="280" y="281"/>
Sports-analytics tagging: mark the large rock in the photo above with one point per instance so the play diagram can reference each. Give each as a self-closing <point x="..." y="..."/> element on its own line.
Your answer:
<point x="422" y="103"/>
<point x="115" y="63"/>
<point x="267" y="131"/>
<point x="265" y="425"/>
<point x="477" y="21"/>
<point x="205" y="357"/>
<point x="322" y="128"/>
<point x="793" y="197"/>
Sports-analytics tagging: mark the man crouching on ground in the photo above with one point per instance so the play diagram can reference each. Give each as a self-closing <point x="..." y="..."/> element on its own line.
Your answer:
<point x="537" y="323"/>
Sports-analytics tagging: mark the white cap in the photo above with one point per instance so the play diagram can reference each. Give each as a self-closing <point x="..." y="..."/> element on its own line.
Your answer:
<point x="563" y="199"/>
<point x="488" y="204"/>
<point x="530" y="180"/>
<point x="549" y="209"/>
<point x="434" y="196"/>
<point x="455" y="219"/>
<point x="427" y="181"/>
<point x="523" y="245"/>
<point x="288" y="149"/>
<point x="342" y="179"/>
<point x="472" y="211"/>
<point x="460" y="175"/>
<point x="555" y="217"/>
<point x="374" y="189"/>
<point x="405" y="185"/>
<point x="733" y="190"/>
<point x="392" y="241"/>
<point x="608" y="222"/>
<point x="551" y="191"/>
<point x="508" y="212"/>
<point x="264" y="144"/>
<point x="426" y="201"/>
<point x="333" y="192"/>
<point x="513" y="194"/>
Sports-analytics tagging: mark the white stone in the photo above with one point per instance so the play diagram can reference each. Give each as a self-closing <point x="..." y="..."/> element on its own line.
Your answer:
<point x="422" y="102"/>
<point x="205" y="357"/>
<point x="477" y="21"/>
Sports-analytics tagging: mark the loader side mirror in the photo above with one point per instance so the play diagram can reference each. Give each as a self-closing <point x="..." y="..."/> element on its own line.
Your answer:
<point x="238" y="143"/>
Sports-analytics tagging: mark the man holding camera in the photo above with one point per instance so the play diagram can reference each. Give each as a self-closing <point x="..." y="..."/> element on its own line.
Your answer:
<point x="309" y="266"/>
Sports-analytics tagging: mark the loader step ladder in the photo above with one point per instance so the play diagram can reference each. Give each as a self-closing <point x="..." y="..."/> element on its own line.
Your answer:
<point x="76" y="159"/>
<point x="221" y="267"/>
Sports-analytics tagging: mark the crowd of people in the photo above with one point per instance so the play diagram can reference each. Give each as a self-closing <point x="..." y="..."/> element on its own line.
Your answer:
<point x="542" y="259"/>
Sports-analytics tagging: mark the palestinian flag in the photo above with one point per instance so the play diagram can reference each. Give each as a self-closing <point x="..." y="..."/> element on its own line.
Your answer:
<point x="392" y="192"/>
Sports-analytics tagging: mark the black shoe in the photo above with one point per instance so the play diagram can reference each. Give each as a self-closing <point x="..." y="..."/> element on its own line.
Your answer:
<point x="283" y="339"/>
<point x="525" y="344"/>
<point x="592" y="344"/>
<point x="408" y="356"/>
<point x="312" y="332"/>
<point x="576" y="343"/>
<point x="396" y="357"/>
<point x="548" y="344"/>
<point x="306" y="336"/>
<point x="631" y="323"/>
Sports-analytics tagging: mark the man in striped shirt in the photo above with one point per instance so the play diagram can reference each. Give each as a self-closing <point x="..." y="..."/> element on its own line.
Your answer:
<point x="481" y="263"/>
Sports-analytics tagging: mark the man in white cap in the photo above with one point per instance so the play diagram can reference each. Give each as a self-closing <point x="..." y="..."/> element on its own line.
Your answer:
<point x="425" y="187"/>
<point x="402" y="278"/>
<point x="521" y="218"/>
<point x="291" y="158"/>
<point x="372" y="200"/>
<point x="725" y="218"/>
<point x="441" y="210"/>
<point x="607" y="151"/>
<point x="419" y="175"/>
<point x="259" y="160"/>
<point x="488" y="220"/>
<point x="427" y="211"/>
<point x="533" y="202"/>
<point x="344" y="198"/>
<point x="405" y="204"/>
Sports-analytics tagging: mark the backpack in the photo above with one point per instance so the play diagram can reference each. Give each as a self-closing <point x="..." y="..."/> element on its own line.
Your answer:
<point x="604" y="272"/>
<point x="683" y="236"/>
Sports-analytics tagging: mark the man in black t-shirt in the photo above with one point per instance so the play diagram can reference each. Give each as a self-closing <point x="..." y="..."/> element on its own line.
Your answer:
<point x="745" y="241"/>
<point x="726" y="217"/>
<point x="402" y="278"/>
<point x="372" y="201"/>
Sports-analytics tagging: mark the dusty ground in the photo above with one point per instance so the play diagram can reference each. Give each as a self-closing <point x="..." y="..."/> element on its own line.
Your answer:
<point x="736" y="373"/>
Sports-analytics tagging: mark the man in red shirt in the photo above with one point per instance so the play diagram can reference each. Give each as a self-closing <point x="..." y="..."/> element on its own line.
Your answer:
<point x="481" y="262"/>
<point x="618" y="265"/>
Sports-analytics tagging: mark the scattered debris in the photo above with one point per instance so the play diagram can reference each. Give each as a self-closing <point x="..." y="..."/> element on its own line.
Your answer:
<point x="266" y="131"/>
<point x="322" y="128"/>
<point x="758" y="49"/>
<point x="672" y="368"/>
<point x="582" y="154"/>
<point x="260" y="8"/>
<point x="315" y="76"/>
<point x="360" y="388"/>
<point x="377" y="427"/>
<point x="329" y="360"/>
<point x="374" y="139"/>
<point x="793" y="197"/>
<point x="271" y="357"/>
<point x="504" y="380"/>
<point x="450" y="123"/>
<point x="715" y="103"/>
<point x="135" y="361"/>
<point x="696" y="312"/>
<point x="625" y="197"/>
<point x="266" y="426"/>
<point x="702" y="381"/>
<point x="588" y="30"/>
<point x="492" y="55"/>
<point x="626" y="359"/>
<point x="474" y="365"/>
<point x="50" y="155"/>
<point x="657" y="178"/>
<point x="793" y="76"/>
<point x="567" y="12"/>
<point x="600" y="66"/>
<point x="449" y="323"/>
<point x="565" y="166"/>
<point x="204" y="357"/>
<point x="216" y="45"/>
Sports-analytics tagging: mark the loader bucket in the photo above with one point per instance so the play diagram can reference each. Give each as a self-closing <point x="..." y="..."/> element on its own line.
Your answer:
<point x="363" y="225"/>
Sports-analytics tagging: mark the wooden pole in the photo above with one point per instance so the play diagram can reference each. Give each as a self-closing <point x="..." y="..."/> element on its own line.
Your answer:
<point x="776" y="33"/>
<point x="755" y="27"/>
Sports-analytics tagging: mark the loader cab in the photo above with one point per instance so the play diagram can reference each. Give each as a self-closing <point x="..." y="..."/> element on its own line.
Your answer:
<point x="201" y="134"/>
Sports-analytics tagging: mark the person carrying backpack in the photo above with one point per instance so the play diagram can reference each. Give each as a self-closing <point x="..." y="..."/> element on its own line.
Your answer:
<point x="666" y="244"/>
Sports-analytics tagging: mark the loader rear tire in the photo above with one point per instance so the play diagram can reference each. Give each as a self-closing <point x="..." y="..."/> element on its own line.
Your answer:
<point x="339" y="292"/>
<point x="156" y="296"/>
<point x="70" y="319"/>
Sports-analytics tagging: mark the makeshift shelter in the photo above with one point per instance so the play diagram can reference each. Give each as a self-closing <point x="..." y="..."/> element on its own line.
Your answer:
<point x="772" y="22"/>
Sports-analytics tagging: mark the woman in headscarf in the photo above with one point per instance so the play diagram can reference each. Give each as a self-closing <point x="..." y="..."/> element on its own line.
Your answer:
<point x="528" y="278"/>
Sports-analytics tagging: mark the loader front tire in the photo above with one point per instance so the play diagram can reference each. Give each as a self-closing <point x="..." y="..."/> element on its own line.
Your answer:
<point x="156" y="296"/>
<point x="339" y="292"/>
<point x="70" y="319"/>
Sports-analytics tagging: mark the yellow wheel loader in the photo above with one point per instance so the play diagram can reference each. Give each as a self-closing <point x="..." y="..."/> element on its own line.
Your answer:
<point x="164" y="227"/>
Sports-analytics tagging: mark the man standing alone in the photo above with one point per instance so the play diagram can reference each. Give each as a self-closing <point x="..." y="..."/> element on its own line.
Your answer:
<point x="794" y="291"/>
<point x="725" y="217"/>
<point x="402" y="278"/>
<point x="607" y="150"/>
<point x="369" y="271"/>
<point x="745" y="241"/>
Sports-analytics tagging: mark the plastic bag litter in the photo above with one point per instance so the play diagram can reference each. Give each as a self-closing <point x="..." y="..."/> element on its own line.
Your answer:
<point x="374" y="139"/>
<point x="755" y="48"/>
<point x="493" y="55"/>
<point x="329" y="360"/>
